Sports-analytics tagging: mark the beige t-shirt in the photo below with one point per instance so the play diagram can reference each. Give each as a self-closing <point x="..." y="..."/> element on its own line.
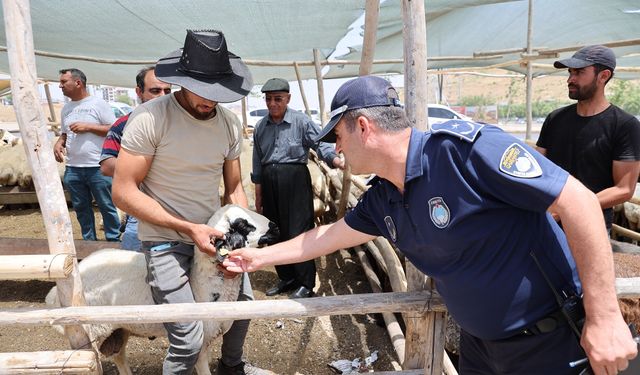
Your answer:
<point x="188" y="155"/>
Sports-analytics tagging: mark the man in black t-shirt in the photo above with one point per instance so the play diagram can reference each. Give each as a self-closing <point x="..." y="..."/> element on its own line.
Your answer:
<point x="595" y="141"/>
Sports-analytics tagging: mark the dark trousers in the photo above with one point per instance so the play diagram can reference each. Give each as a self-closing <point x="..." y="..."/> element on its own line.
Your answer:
<point x="547" y="353"/>
<point x="287" y="200"/>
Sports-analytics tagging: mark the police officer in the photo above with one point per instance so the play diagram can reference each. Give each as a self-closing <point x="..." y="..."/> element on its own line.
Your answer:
<point x="466" y="204"/>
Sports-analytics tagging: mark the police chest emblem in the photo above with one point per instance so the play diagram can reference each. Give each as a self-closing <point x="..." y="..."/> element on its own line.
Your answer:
<point x="391" y="227"/>
<point x="439" y="212"/>
<point x="518" y="162"/>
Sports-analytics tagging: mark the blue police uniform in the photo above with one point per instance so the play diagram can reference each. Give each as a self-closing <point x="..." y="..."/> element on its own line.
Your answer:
<point x="473" y="209"/>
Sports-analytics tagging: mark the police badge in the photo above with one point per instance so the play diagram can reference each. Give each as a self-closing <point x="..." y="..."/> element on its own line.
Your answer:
<point x="391" y="227"/>
<point x="439" y="212"/>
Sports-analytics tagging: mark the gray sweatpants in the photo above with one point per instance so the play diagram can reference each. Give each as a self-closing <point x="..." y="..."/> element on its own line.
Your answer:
<point x="168" y="269"/>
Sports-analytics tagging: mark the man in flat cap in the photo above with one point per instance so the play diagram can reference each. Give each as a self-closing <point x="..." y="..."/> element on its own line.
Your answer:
<point x="281" y="143"/>
<point x="595" y="141"/>
<point x="175" y="150"/>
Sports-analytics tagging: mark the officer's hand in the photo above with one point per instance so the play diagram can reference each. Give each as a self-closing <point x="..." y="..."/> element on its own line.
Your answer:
<point x="608" y="344"/>
<point x="244" y="260"/>
<point x="338" y="162"/>
<point x="203" y="236"/>
<point x="226" y="273"/>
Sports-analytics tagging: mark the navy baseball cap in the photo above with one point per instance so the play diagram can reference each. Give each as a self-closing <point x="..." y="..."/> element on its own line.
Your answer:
<point x="587" y="56"/>
<point x="362" y="92"/>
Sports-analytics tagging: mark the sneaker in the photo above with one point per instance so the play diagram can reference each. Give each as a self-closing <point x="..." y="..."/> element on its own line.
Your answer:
<point x="242" y="368"/>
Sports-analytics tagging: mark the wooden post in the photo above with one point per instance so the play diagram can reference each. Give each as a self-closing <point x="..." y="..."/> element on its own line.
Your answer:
<point x="414" y="31"/>
<point x="245" y="127"/>
<point x="33" y="128"/>
<point x="425" y="332"/>
<point x="61" y="362"/>
<point x="372" y="10"/>
<point x="41" y="267"/>
<point x="50" y="102"/>
<point x="529" y="93"/>
<point x="302" y="94"/>
<point x="316" y="62"/>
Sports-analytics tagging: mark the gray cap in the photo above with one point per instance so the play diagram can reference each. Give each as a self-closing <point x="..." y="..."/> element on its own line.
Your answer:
<point x="275" y="84"/>
<point x="587" y="56"/>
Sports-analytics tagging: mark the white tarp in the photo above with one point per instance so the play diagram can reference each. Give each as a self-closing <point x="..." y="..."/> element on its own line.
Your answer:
<point x="287" y="30"/>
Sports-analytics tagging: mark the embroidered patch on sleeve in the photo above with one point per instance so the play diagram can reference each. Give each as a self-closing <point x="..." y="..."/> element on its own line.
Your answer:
<point x="439" y="212"/>
<point x="518" y="162"/>
<point x="466" y="130"/>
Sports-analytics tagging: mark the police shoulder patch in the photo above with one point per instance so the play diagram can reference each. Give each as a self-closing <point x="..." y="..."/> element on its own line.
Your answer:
<point x="518" y="162"/>
<point x="439" y="212"/>
<point x="466" y="130"/>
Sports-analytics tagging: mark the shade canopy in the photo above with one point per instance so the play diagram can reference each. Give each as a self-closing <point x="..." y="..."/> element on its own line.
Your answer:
<point x="138" y="32"/>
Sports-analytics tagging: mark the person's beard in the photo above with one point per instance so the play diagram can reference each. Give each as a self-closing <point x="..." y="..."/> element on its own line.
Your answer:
<point x="583" y="92"/>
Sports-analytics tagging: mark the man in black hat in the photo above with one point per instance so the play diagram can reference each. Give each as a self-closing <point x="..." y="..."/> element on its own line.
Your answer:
<point x="467" y="204"/>
<point x="595" y="141"/>
<point x="281" y="143"/>
<point x="175" y="150"/>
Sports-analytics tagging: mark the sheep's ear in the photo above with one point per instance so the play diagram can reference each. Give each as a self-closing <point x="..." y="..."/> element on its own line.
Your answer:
<point x="272" y="236"/>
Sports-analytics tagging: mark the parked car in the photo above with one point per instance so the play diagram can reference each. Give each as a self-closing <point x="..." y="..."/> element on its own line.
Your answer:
<point x="439" y="113"/>
<point x="255" y="116"/>
<point x="120" y="109"/>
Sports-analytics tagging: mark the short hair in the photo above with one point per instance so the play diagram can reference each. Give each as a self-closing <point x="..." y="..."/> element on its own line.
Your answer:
<point x="387" y="118"/>
<point x="599" y="68"/>
<point x="76" y="74"/>
<point x="141" y="74"/>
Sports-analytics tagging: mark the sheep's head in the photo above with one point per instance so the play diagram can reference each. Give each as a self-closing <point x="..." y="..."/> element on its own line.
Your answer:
<point x="242" y="228"/>
<point x="6" y="138"/>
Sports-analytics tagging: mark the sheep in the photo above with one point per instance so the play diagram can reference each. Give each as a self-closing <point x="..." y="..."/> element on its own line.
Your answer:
<point x="628" y="265"/>
<point x="632" y="211"/>
<point x="6" y="138"/>
<point x="118" y="277"/>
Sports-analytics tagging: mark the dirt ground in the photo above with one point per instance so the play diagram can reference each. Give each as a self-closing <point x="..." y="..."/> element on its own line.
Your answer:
<point x="300" y="346"/>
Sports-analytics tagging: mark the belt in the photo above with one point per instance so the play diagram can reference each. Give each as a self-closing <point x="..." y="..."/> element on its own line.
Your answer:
<point x="545" y="325"/>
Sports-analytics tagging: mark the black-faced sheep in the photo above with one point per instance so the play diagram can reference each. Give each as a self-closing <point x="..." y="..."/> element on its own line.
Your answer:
<point x="118" y="277"/>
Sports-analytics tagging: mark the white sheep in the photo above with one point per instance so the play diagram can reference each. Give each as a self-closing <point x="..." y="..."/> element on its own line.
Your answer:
<point x="118" y="277"/>
<point x="632" y="211"/>
<point x="6" y="138"/>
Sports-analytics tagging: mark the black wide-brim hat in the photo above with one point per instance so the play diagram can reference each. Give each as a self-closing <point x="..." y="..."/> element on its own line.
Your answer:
<point x="205" y="67"/>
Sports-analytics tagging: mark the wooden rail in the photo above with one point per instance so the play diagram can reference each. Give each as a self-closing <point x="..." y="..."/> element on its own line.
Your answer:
<point x="416" y="302"/>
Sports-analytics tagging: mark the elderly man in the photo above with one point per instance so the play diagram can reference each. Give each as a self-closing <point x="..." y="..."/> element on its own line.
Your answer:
<point x="85" y="121"/>
<point x="466" y="203"/>
<point x="281" y="143"/>
<point x="175" y="151"/>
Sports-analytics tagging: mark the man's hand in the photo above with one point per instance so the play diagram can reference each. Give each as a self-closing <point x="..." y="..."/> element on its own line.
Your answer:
<point x="338" y="162"/>
<point x="608" y="344"/>
<point x="203" y="237"/>
<point x="244" y="260"/>
<point x="59" y="151"/>
<point x="79" y="127"/>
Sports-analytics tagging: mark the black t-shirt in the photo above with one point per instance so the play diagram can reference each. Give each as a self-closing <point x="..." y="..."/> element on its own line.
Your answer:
<point x="587" y="146"/>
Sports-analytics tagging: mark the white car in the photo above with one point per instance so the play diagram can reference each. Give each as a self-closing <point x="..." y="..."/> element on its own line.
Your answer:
<point x="120" y="109"/>
<point x="439" y="113"/>
<point x="255" y="116"/>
